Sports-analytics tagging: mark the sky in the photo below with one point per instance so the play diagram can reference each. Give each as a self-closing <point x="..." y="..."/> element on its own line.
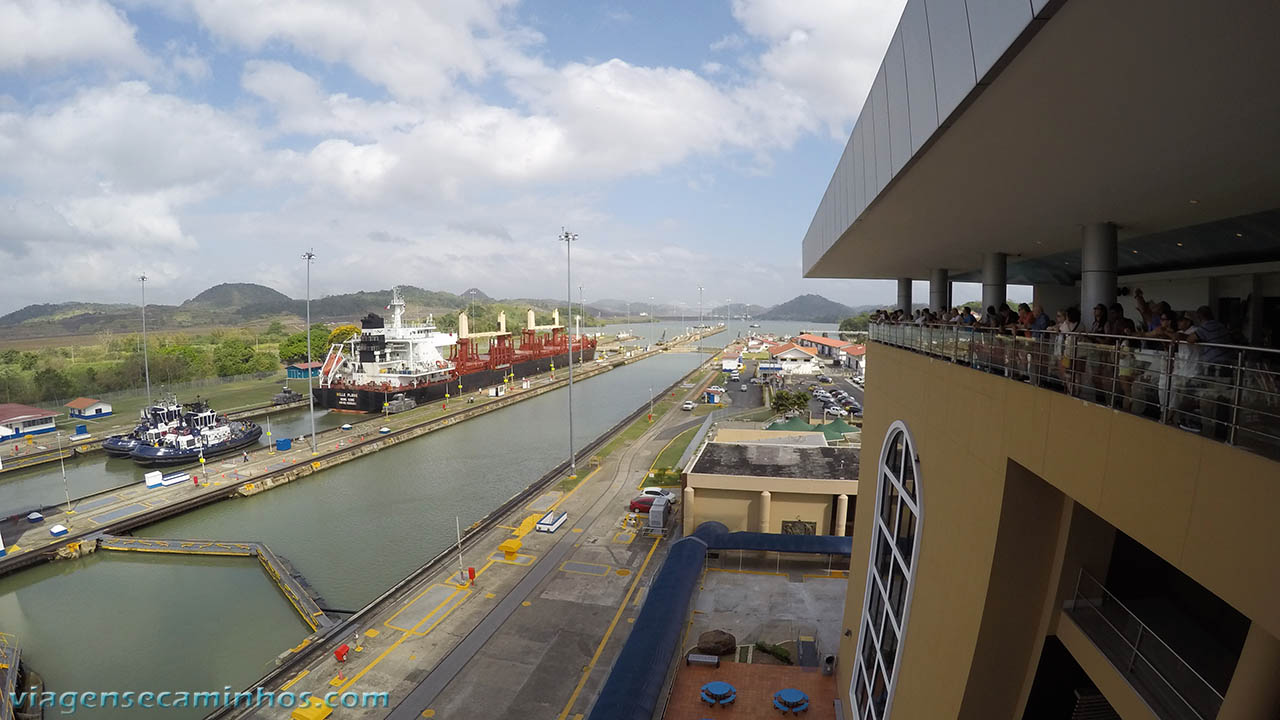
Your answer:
<point x="437" y="144"/>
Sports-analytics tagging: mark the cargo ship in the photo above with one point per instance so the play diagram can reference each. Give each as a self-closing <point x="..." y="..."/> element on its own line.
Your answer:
<point x="423" y="364"/>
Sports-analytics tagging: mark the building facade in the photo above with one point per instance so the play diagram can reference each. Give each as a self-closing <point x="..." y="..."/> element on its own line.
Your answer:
<point x="1060" y="523"/>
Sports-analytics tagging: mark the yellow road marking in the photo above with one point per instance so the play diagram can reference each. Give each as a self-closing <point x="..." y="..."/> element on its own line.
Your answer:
<point x="609" y="632"/>
<point x="295" y="679"/>
<point x="567" y="495"/>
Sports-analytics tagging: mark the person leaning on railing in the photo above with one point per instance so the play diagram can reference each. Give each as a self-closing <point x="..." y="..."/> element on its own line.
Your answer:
<point x="1214" y="368"/>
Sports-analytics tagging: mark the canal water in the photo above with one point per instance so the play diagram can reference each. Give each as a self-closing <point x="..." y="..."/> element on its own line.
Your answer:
<point x="155" y="622"/>
<point x="648" y="332"/>
<point x="88" y="474"/>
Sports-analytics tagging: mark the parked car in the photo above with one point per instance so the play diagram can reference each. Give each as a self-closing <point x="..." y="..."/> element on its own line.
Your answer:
<point x="824" y="379"/>
<point x="659" y="492"/>
<point x="716" y="388"/>
<point x="688" y="405"/>
<point x="837" y="411"/>
<point x="641" y="504"/>
<point x="743" y="388"/>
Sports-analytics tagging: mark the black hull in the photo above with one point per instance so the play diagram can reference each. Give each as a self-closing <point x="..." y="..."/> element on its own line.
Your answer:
<point x="370" y="401"/>
<point x="149" y="456"/>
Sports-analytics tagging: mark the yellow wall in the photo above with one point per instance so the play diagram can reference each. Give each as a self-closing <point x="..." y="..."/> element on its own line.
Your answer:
<point x="794" y="506"/>
<point x="737" y="509"/>
<point x="1206" y="508"/>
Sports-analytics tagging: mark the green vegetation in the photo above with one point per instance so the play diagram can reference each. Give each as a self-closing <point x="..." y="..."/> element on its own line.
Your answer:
<point x="294" y="348"/>
<point x="670" y="455"/>
<point x="857" y="323"/>
<point x="785" y="401"/>
<point x="776" y="651"/>
<point x="51" y="375"/>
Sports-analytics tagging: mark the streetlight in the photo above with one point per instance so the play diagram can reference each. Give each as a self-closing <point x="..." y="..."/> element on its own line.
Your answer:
<point x="310" y="256"/>
<point x="146" y="367"/>
<point x="728" y="316"/>
<point x="582" y="316"/>
<point x="63" y="465"/>
<point x="699" y="305"/>
<point x="567" y="238"/>
<point x="651" y="404"/>
<point x="652" y="338"/>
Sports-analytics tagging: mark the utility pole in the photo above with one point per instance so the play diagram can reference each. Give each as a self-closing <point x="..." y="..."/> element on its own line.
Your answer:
<point x="310" y="256"/>
<point x="146" y="367"/>
<point x="567" y="238"/>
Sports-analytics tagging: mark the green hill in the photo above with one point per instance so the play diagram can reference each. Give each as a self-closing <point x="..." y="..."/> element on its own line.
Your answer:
<point x="811" y="308"/>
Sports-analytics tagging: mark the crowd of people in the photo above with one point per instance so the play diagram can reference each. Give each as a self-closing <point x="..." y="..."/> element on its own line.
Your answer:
<point x="1109" y="357"/>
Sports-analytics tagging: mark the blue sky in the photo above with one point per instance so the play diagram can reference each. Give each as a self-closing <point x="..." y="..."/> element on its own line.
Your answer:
<point x="435" y="144"/>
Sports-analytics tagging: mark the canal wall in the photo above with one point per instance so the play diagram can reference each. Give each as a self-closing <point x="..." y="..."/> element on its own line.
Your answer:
<point x="290" y="662"/>
<point x="325" y="459"/>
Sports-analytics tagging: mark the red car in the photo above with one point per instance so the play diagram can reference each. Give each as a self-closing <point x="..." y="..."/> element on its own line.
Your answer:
<point x="642" y="504"/>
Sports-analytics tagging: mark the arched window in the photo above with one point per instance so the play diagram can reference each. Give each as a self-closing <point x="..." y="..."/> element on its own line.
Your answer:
<point x="895" y="544"/>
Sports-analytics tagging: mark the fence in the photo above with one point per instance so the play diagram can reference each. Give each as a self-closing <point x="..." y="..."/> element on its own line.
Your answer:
<point x="1225" y="392"/>
<point x="1167" y="682"/>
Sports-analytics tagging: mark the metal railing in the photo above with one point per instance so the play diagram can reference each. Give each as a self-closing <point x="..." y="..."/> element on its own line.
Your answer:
<point x="1169" y="684"/>
<point x="1225" y="392"/>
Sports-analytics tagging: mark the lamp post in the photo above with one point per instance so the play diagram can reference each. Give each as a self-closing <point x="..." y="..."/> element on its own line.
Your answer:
<point x="310" y="256"/>
<point x="728" y="317"/>
<point x="699" y="305"/>
<point x="652" y="338"/>
<point x="582" y="316"/>
<point x="63" y="465"/>
<point x="567" y="238"/>
<point x="146" y="367"/>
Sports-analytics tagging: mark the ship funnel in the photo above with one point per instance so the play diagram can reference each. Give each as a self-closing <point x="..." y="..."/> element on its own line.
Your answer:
<point x="502" y="321"/>
<point x="532" y="321"/>
<point x="464" y="327"/>
<point x="555" y="317"/>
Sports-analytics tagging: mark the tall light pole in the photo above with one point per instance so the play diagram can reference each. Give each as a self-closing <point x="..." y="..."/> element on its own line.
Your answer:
<point x="582" y="317"/>
<point x="63" y="465"/>
<point x="567" y="238"/>
<point x="699" y="305"/>
<point x="653" y="339"/>
<point x="728" y="316"/>
<point x="310" y="256"/>
<point x="146" y="367"/>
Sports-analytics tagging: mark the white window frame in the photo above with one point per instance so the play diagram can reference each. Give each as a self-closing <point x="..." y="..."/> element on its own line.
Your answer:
<point x="878" y="531"/>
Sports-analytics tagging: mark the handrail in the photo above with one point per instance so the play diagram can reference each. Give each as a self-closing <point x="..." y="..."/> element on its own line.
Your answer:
<point x="1229" y="391"/>
<point x="1143" y="629"/>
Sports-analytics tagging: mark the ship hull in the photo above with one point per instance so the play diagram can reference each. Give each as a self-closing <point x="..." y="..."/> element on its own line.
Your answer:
<point x="150" y="456"/>
<point x="370" y="400"/>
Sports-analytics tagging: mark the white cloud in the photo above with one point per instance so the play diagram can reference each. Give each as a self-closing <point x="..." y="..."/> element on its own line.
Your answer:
<point x="128" y="138"/>
<point x="302" y="107"/>
<point x="45" y="33"/>
<point x="827" y="53"/>
<point x="414" y="49"/>
<point x="732" y="41"/>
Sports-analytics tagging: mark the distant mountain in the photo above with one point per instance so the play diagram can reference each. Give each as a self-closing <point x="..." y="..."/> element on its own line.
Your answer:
<point x="237" y="295"/>
<point x="811" y="308"/>
<point x="738" y="309"/>
<point x="475" y="294"/>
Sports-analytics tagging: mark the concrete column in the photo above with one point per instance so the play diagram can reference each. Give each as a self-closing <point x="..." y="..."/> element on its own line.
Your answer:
<point x="939" y="289"/>
<point x="994" y="280"/>
<point x="1097" y="267"/>
<point x="904" y="295"/>
<point x="689" y="525"/>
<point x="1253" y="692"/>
<point x="765" y="498"/>
<point x="1253" y="330"/>
<point x="842" y="513"/>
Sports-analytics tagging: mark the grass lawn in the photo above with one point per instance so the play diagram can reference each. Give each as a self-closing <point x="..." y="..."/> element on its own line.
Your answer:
<point x="224" y="397"/>
<point x="757" y="415"/>
<point x="670" y="455"/>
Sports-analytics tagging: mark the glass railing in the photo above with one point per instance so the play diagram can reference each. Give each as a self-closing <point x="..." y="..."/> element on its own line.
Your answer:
<point x="1169" y="685"/>
<point x="1225" y="392"/>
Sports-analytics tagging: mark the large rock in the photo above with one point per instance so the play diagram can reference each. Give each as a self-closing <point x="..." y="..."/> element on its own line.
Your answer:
<point x="716" y="642"/>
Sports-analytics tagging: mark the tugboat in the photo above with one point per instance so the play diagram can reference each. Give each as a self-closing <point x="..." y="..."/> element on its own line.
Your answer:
<point x="161" y="417"/>
<point x="201" y="434"/>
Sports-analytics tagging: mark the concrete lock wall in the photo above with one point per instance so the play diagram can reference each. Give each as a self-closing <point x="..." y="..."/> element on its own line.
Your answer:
<point x="1002" y="460"/>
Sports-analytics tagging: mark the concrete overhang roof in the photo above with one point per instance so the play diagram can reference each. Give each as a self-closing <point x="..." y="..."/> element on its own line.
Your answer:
<point x="1152" y="115"/>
